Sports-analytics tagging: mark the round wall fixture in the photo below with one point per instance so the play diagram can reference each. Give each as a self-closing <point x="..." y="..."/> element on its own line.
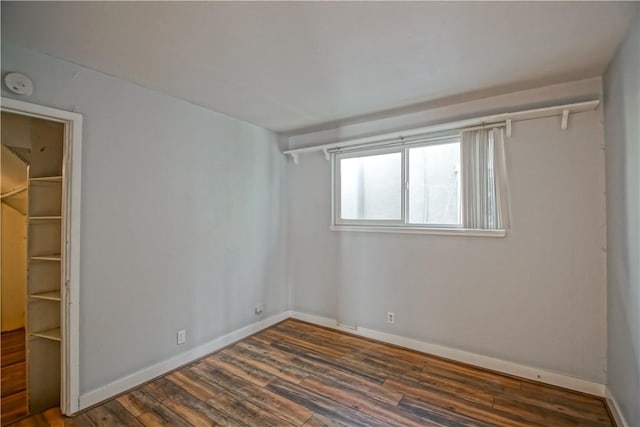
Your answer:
<point x="19" y="84"/>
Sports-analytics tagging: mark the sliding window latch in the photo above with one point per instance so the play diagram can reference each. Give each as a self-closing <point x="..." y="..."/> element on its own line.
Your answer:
<point x="565" y="120"/>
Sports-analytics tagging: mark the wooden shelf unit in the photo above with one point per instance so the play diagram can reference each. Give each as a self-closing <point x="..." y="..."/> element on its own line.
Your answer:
<point x="45" y="219"/>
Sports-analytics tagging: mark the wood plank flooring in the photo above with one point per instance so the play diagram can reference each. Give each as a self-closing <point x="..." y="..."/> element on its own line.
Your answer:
<point x="13" y="376"/>
<point x="297" y="374"/>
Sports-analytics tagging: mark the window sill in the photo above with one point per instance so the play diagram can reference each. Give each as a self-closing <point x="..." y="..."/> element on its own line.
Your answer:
<point x="421" y="230"/>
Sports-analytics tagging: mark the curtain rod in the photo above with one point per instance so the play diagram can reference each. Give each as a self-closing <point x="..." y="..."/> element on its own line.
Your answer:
<point x="506" y="118"/>
<point x="417" y="139"/>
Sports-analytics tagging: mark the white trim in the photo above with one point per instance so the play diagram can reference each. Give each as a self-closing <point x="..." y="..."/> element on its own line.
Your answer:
<point x="71" y="271"/>
<point x="399" y="136"/>
<point x="420" y="230"/>
<point x="614" y="408"/>
<point x="136" y="378"/>
<point x="494" y="364"/>
<point x="38" y="111"/>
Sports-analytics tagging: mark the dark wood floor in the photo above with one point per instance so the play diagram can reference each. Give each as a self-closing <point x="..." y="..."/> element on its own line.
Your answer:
<point x="14" y="376"/>
<point x="297" y="374"/>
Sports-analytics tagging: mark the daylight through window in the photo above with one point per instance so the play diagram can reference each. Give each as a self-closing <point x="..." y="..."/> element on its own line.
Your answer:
<point x="424" y="185"/>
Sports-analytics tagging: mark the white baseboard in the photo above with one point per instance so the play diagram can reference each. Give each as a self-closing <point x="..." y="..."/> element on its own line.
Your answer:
<point x="135" y="379"/>
<point x="479" y="360"/>
<point x="612" y="403"/>
<point x="130" y="381"/>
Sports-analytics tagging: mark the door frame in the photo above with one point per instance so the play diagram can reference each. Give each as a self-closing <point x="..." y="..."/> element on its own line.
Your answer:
<point x="70" y="280"/>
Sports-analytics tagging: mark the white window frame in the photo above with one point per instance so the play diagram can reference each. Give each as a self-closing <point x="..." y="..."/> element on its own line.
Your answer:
<point x="395" y="226"/>
<point x="337" y="189"/>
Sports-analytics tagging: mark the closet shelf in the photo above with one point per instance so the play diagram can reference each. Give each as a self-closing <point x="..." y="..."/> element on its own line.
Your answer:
<point x="50" y="334"/>
<point x="52" y="257"/>
<point x="44" y="218"/>
<point x="17" y="199"/>
<point x="47" y="178"/>
<point x="50" y="296"/>
<point x="14" y="192"/>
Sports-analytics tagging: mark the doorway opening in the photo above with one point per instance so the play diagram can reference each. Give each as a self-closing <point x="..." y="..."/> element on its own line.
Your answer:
<point x="40" y="177"/>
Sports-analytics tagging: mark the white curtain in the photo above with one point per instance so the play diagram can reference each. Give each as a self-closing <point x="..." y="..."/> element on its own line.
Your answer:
<point x="485" y="191"/>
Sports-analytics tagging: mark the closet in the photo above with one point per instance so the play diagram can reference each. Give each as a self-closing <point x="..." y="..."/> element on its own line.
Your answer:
<point x="40" y="144"/>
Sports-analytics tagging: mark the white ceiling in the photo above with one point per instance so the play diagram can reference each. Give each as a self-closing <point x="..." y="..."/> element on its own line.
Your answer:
<point x="287" y="66"/>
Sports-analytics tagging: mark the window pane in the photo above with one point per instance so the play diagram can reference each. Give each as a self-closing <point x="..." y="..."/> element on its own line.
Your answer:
<point x="434" y="184"/>
<point x="371" y="187"/>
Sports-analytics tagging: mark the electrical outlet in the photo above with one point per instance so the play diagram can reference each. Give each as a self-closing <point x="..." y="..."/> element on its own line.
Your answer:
<point x="391" y="317"/>
<point x="259" y="308"/>
<point x="182" y="336"/>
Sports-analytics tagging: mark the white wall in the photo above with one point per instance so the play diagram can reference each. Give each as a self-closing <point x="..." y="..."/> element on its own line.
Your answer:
<point x="182" y="219"/>
<point x="536" y="297"/>
<point x="622" y="134"/>
<point x="184" y="225"/>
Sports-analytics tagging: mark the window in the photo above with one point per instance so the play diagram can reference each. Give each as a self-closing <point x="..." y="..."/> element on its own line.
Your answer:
<point x="434" y="184"/>
<point x="419" y="186"/>
<point x="371" y="187"/>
